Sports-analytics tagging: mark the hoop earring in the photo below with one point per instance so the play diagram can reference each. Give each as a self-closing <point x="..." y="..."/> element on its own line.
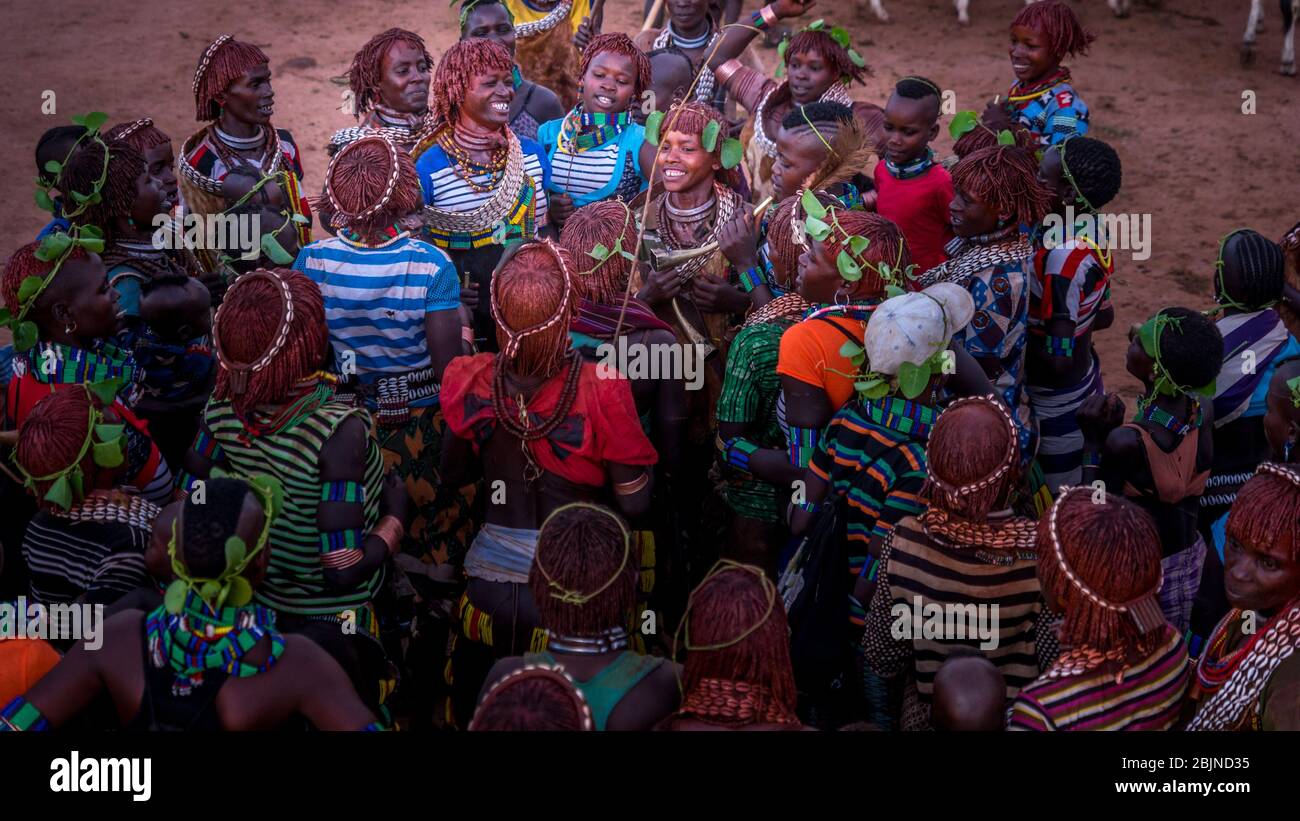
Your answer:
<point x="841" y="292"/>
<point x="68" y="329"/>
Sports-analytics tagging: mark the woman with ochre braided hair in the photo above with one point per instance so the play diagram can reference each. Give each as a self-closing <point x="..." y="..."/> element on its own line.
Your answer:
<point x="232" y="93"/>
<point x="818" y="67"/>
<point x="545" y="430"/>
<point x="1249" y="675"/>
<point x="483" y="186"/>
<point x="737" y="674"/>
<point x="88" y="540"/>
<point x="393" y="308"/>
<point x="533" y="698"/>
<point x="1121" y="666"/>
<point x="997" y="191"/>
<point x="968" y="549"/>
<point x="209" y="658"/>
<point x="389" y="79"/>
<point x="533" y="104"/>
<point x="584" y="584"/>
<point x="597" y="151"/>
<point x="274" y="412"/>
<point x="74" y="316"/>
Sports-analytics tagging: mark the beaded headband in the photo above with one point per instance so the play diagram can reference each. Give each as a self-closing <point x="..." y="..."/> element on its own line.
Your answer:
<point x="341" y="216"/>
<point x="1144" y="610"/>
<point x="240" y="371"/>
<point x="1008" y="461"/>
<point x="208" y="54"/>
<point x="143" y="122"/>
<point x="724" y="566"/>
<point x="538" y="671"/>
<point x="516" y="338"/>
<point x="575" y="597"/>
<point x="1288" y="472"/>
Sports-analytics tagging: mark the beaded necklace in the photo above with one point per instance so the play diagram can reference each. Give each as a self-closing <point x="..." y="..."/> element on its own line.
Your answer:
<point x="915" y="168"/>
<point x="309" y="396"/>
<point x="550" y="21"/>
<point x="786" y="307"/>
<point x="1019" y="94"/>
<point x="241" y="143"/>
<point x="467" y="169"/>
<point x="974" y="254"/>
<point x="112" y="506"/>
<point x="198" y="639"/>
<point x="519" y="424"/>
<point x="724" y="701"/>
<point x="707" y="83"/>
<point x="1002" y="540"/>
<point x="52" y="363"/>
<point x="583" y="130"/>
<point x="1150" y="412"/>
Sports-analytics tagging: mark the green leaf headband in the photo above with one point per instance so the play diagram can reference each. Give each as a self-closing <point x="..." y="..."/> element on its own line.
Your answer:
<point x="56" y="248"/>
<point x="1293" y="385"/>
<point x="822" y="221"/>
<point x="837" y="33"/>
<point x="271" y="246"/>
<point x="1059" y="148"/>
<point x="68" y="485"/>
<point x="732" y="149"/>
<point x="91" y="122"/>
<point x="964" y="122"/>
<point x="469" y="6"/>
<point x="229" y="588"/>
<point x="1149" y="335"/>
<point x="1221" y="298"/>
<point x="603" y="254"/>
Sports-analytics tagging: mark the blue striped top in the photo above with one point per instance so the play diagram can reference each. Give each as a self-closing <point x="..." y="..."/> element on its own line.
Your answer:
<point x="443" y="188"/>
<point x="612" y="169"/>
<point x="376" y="299"/>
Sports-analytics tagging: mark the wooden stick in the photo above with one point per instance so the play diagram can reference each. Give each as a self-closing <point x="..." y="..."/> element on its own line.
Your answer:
<point x="653" y="15"/>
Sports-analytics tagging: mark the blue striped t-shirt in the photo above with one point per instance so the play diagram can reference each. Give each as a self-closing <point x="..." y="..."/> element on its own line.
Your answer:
<point x="376" y="299"/>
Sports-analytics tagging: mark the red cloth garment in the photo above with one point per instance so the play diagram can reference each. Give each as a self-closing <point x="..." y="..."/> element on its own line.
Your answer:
<point x="919" y="207"/>
<point x="601" y="427"/>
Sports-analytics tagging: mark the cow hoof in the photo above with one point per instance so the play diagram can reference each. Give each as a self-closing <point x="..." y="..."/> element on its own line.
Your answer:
<point x="1287" y="69"/>
<point x="1247" y="55"/>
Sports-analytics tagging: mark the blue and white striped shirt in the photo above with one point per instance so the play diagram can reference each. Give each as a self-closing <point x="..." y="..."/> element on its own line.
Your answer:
<point x="376" y="299"/>
<point x="609" y="170"/>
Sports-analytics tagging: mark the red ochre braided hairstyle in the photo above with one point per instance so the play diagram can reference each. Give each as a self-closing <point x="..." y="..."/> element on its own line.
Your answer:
<point x="886" y="244"/>
<point x="534" y="299"/>
<point x="366" y="74"/>
<point x="735" y="601"/>
<point x="52" y="436"/>
<point x="1267" y="510"/>
<point x="248" y="322"/>
<point x="1114" y="549"/>
<point x="23" y="263"/>
<point x="1058" y="23"/>
<point x="600" y="223"/>
<point x="580" y="549"/>
<point x="533" y="698"/>
<point x="1004" y="178"/>
<point x="457" y="69"/>
<point x="371" y="185"/>
<point x="971" y="441"/>
<point x="835" y="55"/>
<point x="692" y="118"/>
<point x="125" y="167"/>
<point x="223" y="62"/>
<point x="619" y="43"/>
<point x="980" y="137"/>
<point x="140" y="134"/>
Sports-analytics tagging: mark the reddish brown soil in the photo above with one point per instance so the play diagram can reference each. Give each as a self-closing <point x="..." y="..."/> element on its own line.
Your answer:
<point x="1165" y="88"/>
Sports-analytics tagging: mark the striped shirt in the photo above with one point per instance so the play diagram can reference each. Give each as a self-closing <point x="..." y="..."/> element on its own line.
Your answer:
<point x="376" y="299"/>
<point x="1069" y="282"/>
<point x="873" y="454"/>
<point x="609" y="170"/>
<point x="443" y="188"/>
<point x="749" y="396"/>
<point x="68" y="560"/>
<point x="919" y="573"/>
<point x="295" y="580"/>
<point x="1148" y="697"/>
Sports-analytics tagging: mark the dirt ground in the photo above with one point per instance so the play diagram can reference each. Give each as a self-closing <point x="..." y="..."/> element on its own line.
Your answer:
<point x="1165" y="87"/>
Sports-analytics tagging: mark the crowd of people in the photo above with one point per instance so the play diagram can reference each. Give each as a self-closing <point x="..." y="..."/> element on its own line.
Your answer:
<point x="614" y="383"/>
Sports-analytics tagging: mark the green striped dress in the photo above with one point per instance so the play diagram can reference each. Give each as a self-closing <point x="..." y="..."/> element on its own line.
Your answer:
<point x="295" y="581"/>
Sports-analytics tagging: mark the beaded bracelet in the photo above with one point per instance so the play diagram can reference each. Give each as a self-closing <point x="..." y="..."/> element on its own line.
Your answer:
<point x="738" y="451"/>
<point x="1060" y="345"/>
<point x="344" y="491"/>
<point x="751" y="278"/>
<point x="1091" y="458"/>
<point x="871" y="569"/>
<point x="21" y="716"/>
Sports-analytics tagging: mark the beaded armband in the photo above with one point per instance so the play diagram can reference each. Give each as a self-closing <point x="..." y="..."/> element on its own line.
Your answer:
<point x="340" y="549"/>
<point x="751" y="278"/>
<point x="345" y="492"/>
<point x="374" y="727"/>
<point x="207" y="446"/>
<point x="1060" y="346"/>
<point x="21" y="716"/>
<point x="871" y="569"/>
<point x="737" y="451"/>
<point x="1091" y="458"/>
<point x="803" y="443"/>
